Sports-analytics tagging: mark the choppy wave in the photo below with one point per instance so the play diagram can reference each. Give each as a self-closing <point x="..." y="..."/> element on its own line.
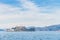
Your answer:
<point x="30" y="35"/>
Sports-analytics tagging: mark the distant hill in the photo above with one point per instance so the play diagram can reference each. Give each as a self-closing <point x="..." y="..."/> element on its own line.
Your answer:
<point x="53" y="27"/>
<point x="1" y="29"/>
<point x="33" y="28"/>
<point x="49" y="28"/>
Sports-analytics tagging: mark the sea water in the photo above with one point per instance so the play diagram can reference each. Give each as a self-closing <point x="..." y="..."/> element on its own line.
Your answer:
<point x="30" y="35"/>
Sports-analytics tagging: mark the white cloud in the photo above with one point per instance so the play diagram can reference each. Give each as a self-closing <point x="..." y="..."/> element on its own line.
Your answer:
<point x="31" y="16"/>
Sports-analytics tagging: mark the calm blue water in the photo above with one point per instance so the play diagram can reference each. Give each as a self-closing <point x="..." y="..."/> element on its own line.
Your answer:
<point x="30" y="35"/>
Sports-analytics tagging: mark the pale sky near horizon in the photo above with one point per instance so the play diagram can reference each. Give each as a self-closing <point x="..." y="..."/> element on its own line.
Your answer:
<point x="29" y="13"/>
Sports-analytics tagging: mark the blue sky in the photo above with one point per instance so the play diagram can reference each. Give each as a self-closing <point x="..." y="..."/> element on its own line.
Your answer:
<point x="29" y="13"/>
<point x="10" y="2"/>
<point x="41" y="3"/>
